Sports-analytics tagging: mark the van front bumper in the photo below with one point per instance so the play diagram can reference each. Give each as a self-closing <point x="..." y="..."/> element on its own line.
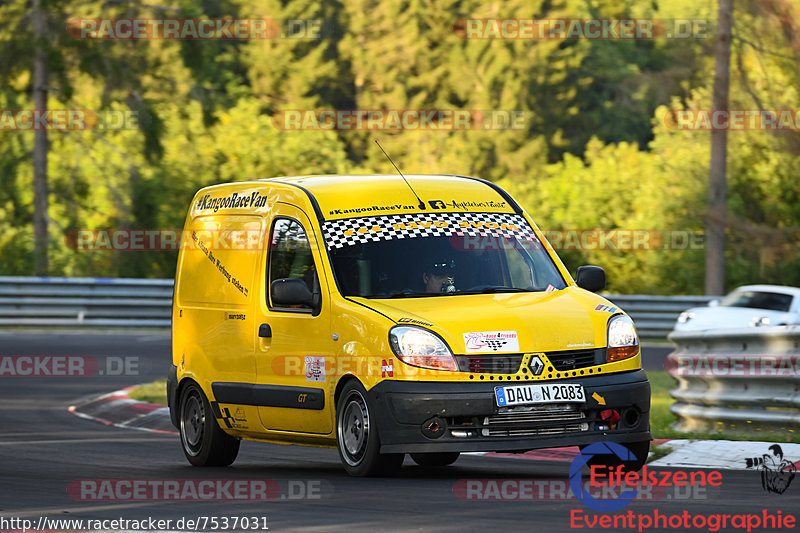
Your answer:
<point x="420" y="417"/>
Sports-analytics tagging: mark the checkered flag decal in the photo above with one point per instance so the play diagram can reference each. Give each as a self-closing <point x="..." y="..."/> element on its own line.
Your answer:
<point x="350" y="231"/>
<point x="496" y="344"/>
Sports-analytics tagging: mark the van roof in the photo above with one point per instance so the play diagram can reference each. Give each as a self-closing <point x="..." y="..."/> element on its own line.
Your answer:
<point x="347" y="196"/>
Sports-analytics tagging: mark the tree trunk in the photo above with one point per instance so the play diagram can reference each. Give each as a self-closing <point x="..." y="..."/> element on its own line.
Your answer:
<point x="717" y="201"/>
<point x="40" y="143"/>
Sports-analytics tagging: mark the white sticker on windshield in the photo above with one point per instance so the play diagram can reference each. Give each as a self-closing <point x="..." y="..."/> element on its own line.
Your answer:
<point x="491" y="341"/>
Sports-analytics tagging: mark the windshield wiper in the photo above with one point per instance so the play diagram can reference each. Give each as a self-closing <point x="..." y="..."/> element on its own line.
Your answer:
<point x="423" y="294"/>
<point x="493" y="290"/>
<point x="411" y="294"/>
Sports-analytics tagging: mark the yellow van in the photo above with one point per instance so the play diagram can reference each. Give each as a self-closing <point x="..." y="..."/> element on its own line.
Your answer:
<point x="384" y="316"/>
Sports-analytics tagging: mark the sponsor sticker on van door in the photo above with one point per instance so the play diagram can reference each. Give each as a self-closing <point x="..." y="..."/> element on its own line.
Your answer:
<point x="491" y="341"/>
<point x="315" y="368"/>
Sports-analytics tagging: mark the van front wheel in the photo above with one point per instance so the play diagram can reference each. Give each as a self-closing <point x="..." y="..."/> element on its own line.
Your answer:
<point x="204" y="443"/>
<point x="357" y="437"/>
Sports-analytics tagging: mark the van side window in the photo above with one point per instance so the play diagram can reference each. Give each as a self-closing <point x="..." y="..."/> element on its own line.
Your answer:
<point x="290" y="256"/>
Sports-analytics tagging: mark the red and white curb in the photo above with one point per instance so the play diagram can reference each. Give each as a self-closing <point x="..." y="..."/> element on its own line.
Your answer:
<point x="715" y="454"/>
<point x="722" y="454"/>
<point x="120" y="410"/>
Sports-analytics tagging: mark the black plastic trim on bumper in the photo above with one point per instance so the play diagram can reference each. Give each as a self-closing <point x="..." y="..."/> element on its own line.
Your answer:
<point x="401" y="407"/>
<point x="172" y="396"/>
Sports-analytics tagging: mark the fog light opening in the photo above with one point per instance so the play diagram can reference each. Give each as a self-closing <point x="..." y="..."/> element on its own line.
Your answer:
<point x="630" y="417"/>
<point x="433" y="428"/>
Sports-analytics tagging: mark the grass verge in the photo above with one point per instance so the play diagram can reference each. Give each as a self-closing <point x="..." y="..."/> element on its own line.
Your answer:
<point x="155" y="392"/>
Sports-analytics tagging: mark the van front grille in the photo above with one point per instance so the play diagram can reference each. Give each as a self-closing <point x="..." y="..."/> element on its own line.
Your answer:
<point x="489" y="363"/>
<point x="575" y="359"/>
<point x="553" y="420"/>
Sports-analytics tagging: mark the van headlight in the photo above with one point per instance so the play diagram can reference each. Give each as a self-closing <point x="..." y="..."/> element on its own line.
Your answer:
<point x="622" y="340"/>
<point x="420" y="347"/>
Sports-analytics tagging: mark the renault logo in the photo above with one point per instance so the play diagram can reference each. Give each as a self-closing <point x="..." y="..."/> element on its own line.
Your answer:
<point x="536" y="365"/>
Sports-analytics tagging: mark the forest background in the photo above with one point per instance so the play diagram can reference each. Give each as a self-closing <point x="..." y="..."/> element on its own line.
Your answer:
<point x="597" y="151"/>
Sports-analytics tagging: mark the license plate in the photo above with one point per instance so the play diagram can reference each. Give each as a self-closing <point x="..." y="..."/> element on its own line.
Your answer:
<point x="531" y="394"/>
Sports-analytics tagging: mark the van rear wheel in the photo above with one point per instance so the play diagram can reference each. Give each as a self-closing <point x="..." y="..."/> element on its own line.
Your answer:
<point x="204" y="443"/>
<point x="357" y="436"/>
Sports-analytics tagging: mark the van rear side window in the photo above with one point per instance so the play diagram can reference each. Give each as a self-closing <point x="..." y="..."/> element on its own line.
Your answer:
<point x="290" y="255"/>
<point x="218" y="261"/>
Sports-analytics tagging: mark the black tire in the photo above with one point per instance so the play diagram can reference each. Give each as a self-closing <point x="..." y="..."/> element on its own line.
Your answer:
<point x="639" y="450"/>
<point x="435" y="459"/>
<point x="202" y="440"/>
<point x="357" y="437"/>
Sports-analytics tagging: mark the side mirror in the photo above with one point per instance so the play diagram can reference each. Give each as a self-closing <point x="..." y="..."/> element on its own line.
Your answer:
<point x="291" y="291"/>
<point x="591" y="278"/>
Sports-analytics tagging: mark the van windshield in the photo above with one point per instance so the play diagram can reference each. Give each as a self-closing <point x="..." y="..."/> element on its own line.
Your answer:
<point x="444" y="254"/>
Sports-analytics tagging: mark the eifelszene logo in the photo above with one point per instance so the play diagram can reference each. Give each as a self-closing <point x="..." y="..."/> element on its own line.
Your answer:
<point x="614" y="478"/>
<point x="588" y="453"/>
<point x="777" y="472"/>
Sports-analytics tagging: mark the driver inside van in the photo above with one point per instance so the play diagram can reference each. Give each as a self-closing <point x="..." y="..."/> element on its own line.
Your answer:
<point x="439" y="277"/>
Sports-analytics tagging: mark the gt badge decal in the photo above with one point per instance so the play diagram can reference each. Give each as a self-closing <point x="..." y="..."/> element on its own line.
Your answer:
<point x="606" y="308"/>
<point x="315" y="368"/>
<point x="491" y="341"/>
<point x="387" y="370"/>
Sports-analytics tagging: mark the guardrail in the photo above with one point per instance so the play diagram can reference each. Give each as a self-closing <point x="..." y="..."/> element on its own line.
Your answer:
<point x="121" y="302"/>
<point x="655" y="316"/>
<point x="743" y="380"/>
<point x="85" y="302"/>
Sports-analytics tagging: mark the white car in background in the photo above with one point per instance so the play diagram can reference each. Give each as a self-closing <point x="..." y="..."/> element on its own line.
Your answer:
<point x="747" y="306"/>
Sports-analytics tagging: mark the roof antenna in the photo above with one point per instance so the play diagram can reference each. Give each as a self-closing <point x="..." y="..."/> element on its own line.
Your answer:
<point x="421" y="203"/>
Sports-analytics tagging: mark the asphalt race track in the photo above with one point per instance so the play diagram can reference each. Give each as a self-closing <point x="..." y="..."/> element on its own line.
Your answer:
<point x="44" y="450"/>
